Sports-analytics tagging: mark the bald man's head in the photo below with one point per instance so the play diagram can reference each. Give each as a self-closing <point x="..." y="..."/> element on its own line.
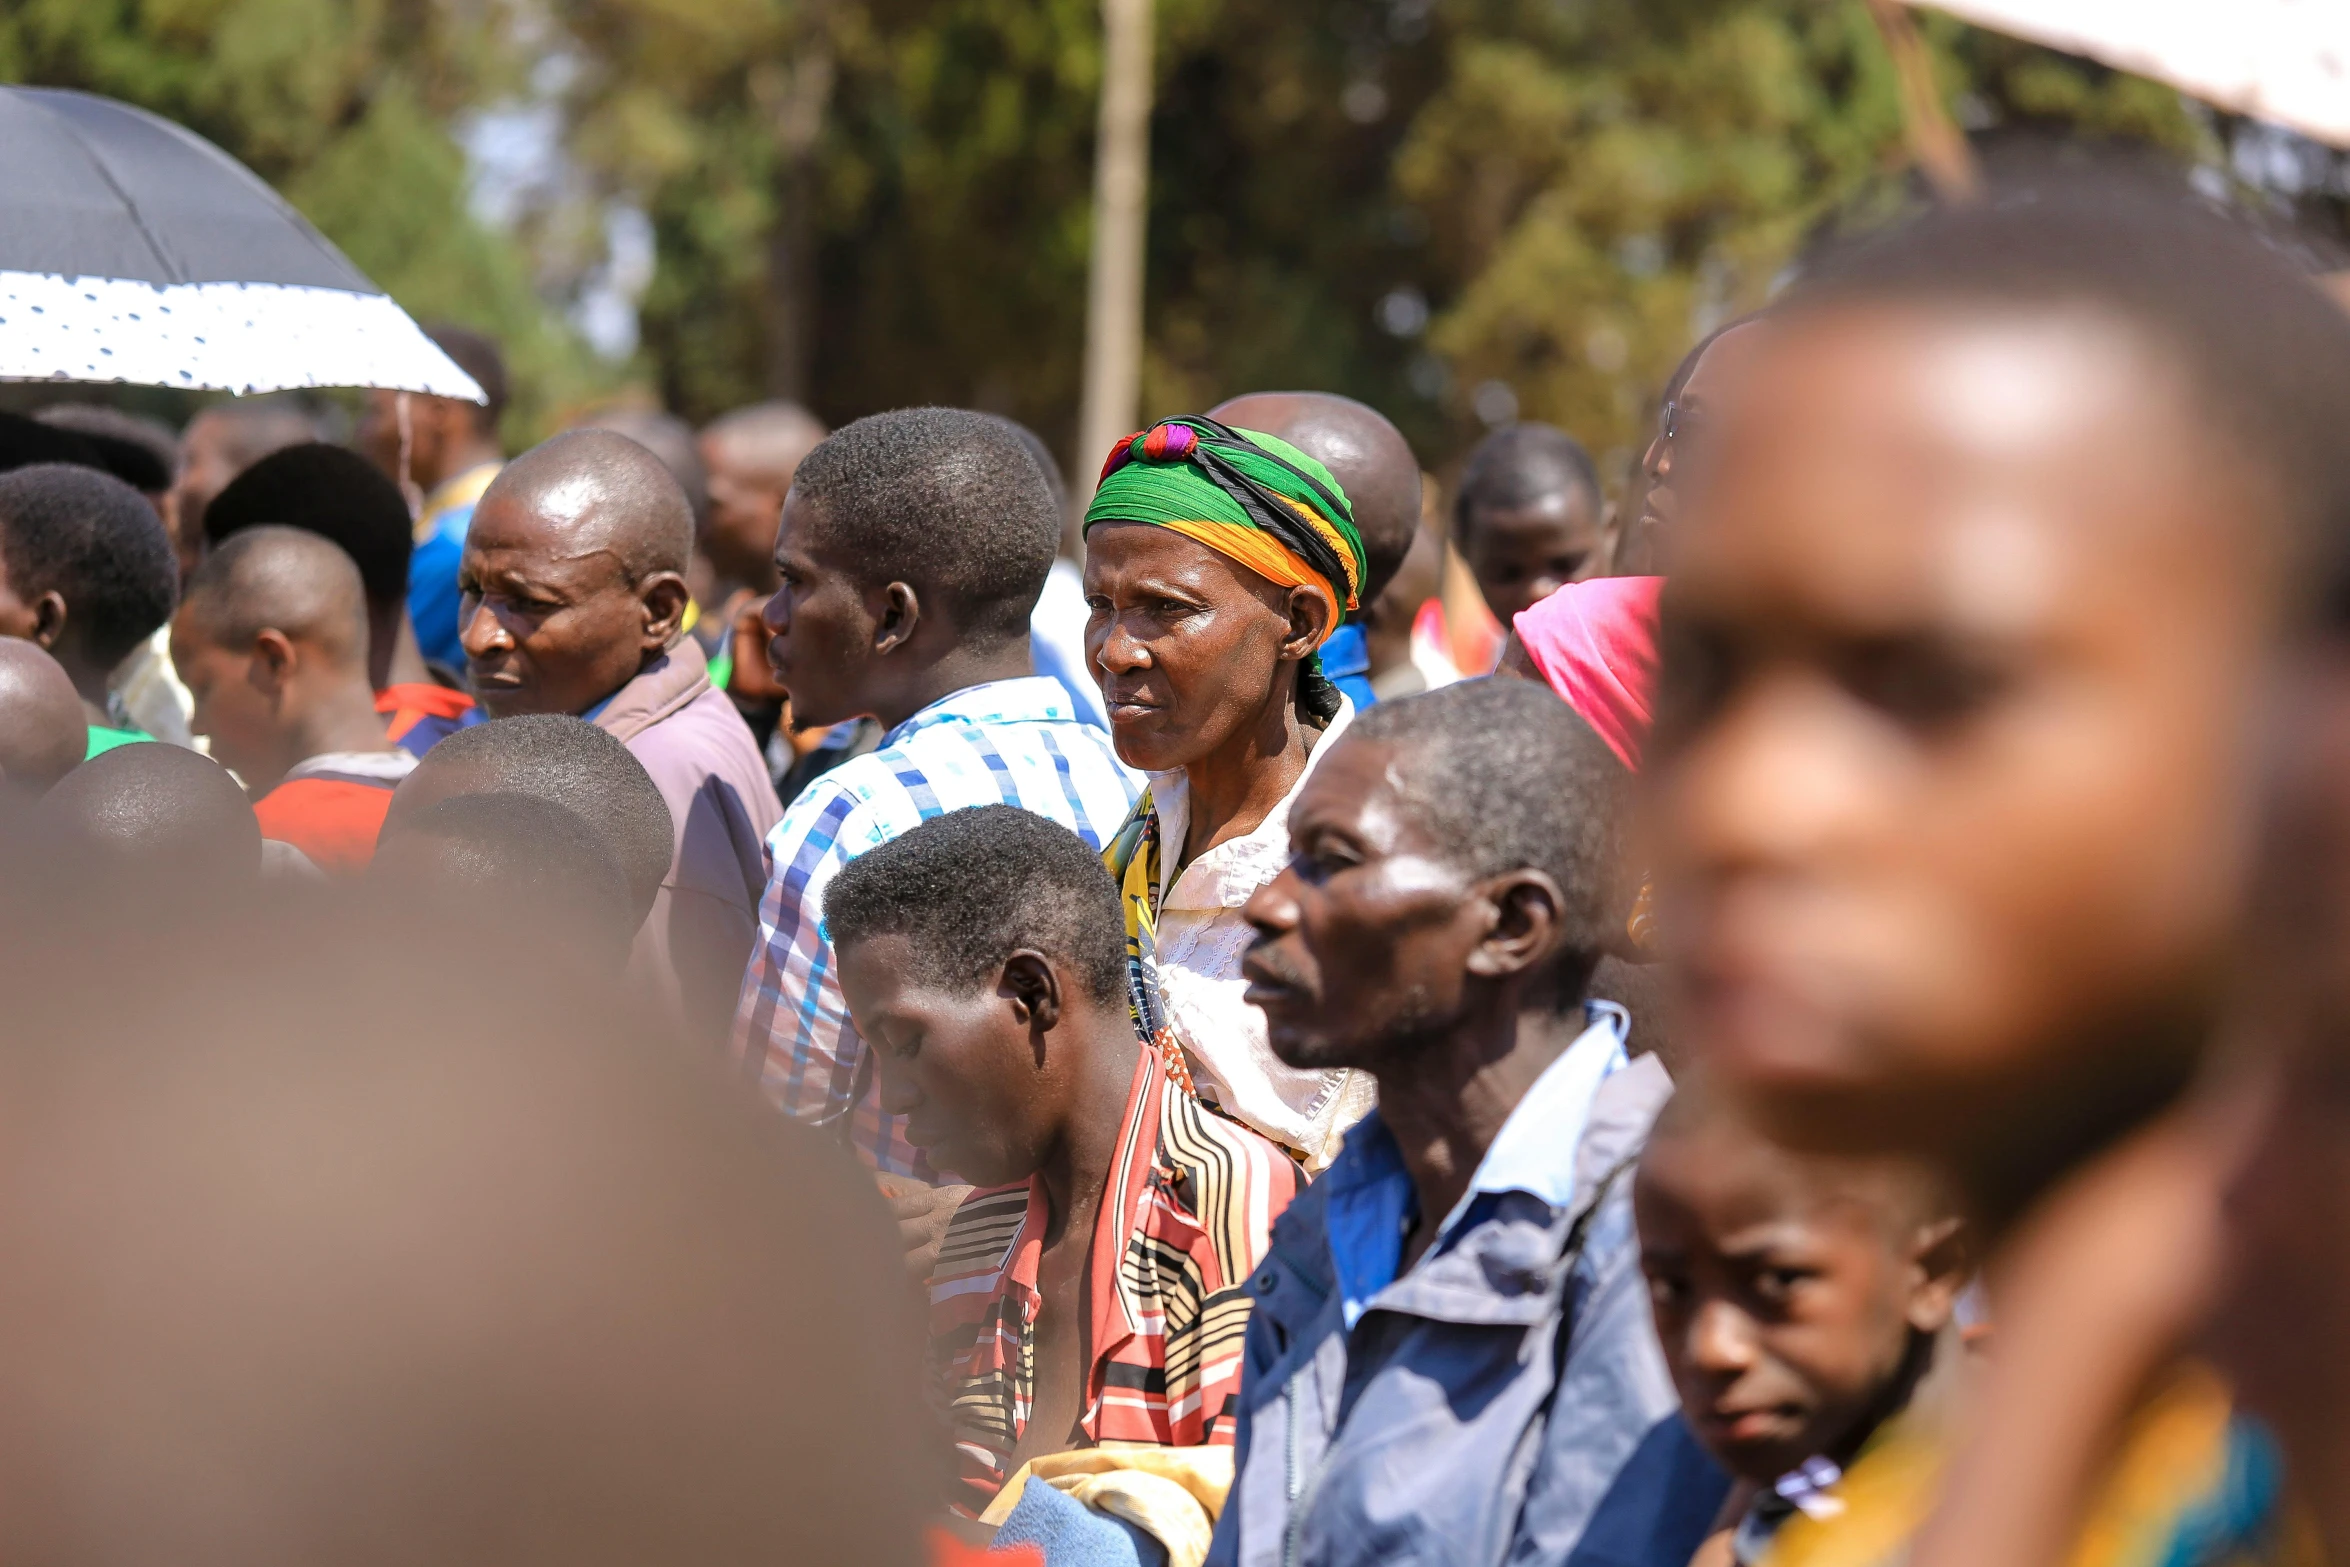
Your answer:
<point x="157" y="809"/>
<point x="43" y="732"/>
<point x="602" y="490"/>
<point x="1362" y="449"/>
<point x="573" y="576"/>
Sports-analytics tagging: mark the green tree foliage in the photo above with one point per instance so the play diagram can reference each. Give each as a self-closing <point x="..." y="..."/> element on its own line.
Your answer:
<point x="1608" y="179"/>
<point x="347" y="107"/>
<point x="1450" y="208"/>
<point x="1541" y="200"/>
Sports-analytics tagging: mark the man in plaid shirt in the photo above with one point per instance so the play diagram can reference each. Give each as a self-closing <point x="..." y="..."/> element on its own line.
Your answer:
<point x="912" y="548"/>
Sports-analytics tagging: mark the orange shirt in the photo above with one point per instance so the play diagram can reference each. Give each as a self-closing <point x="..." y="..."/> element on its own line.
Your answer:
<point x="332" y="807"/>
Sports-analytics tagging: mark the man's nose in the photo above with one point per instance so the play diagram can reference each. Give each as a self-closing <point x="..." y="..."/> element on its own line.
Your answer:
<point x="485" y="632"/>
<point x="1272" y="908"/>
<point x="1772" y="783"/>
<point x="1720" y="1340"/>
<point x="775" y="614"/>
<point x="894" y="1087"/>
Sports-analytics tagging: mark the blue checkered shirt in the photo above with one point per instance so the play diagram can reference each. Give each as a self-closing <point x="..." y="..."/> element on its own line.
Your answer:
<point x="1008" y="742"/>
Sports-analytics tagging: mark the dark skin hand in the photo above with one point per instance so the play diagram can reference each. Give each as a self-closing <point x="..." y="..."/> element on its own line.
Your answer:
<point x="551" y="620"/>
<point x="1026" y="1078"/>
<point x="844" y="648"/>
<point x="1198" y="660"/>
<point x="1375" y="950"/>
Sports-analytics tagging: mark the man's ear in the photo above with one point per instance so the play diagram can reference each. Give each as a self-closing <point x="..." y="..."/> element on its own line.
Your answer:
<point x="1943" y="1259"/>
<point x="900" y="611"/>
<point x="1527" y="907"/>
<point x="49" y="620"/>
<point x="1313" y="615"/>
<point x="1033" y="987"/>
<point x="663" y="594"/>
<point x="272" y="662"/>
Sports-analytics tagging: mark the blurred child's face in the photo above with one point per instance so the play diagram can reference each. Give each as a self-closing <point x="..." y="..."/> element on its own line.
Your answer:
<point x="1953" y="757"/>
<point x="1795" y="1305"/>
<point x="1521" y="555"/>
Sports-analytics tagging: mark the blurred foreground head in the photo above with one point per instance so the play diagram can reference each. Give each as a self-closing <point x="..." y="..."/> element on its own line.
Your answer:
<point x="564" y="761"/>
<point x="295" y="1279"/>
<point x="523" y="857"/>
<point x="155" y="813"/>
<point x="42" y="731"/>
<point x="1974" y="612"/>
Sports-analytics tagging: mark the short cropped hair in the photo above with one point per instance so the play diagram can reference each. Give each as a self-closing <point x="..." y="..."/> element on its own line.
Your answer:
<point x="1507" y="777"/>
<point x="571" y="763"/>
<point x="2263" y="352"/>
<point x="942" y="497"/>
<point x="1520" y="465"/>
<point x="283" y="578"/>
<point x="524" y="849"/>
<point x="479" y="358"/>
<point x="157" y="806"/>
<point x="331" y="491"/>
<point x="971" y="887"/>
<point x="94" y="540"/>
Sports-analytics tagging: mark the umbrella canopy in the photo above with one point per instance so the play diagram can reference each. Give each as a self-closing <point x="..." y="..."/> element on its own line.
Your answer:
<point x="131" y="249"/>
<point x="2287" y="61"/>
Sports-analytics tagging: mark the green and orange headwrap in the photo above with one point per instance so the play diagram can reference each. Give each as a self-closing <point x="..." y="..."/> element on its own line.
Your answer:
<point x="1244" y="494"/>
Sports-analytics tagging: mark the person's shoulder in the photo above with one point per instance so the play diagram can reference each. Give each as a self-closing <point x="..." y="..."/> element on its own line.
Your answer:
<point x="1231" y="1163"/>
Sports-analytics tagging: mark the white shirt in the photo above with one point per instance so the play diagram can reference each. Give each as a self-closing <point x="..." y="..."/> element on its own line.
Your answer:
<point x="1201" y="939"/>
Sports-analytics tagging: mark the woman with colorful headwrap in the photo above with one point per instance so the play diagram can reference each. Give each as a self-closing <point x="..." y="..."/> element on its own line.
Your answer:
<point x="1217" y="562"/>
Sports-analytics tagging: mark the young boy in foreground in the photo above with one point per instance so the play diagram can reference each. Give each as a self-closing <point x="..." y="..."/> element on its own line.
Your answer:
<point x="1804" y="1303"/>
<point x="1089" y="1290"/>
<point x="1977" y="602"/>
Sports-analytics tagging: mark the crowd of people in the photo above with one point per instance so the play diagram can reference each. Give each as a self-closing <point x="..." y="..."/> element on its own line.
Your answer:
<point x="783" y="994"/>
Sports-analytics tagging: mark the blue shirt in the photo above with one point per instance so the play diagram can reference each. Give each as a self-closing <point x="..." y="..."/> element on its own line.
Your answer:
<point x="1346" y="663"/>
<point x="1373" y="1204"/>
<point x="1006" y="742"/>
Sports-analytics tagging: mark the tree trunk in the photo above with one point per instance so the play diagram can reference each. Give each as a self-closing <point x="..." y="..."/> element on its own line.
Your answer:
<point x="1121" y="182"/>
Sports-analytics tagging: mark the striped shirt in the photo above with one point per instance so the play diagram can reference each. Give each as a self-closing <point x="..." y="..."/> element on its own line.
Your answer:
<point x="1185" y="1218"/>
<point x="1007" y="742"/>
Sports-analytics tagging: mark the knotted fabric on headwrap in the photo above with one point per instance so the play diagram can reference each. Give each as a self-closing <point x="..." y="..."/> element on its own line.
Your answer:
<point x="1595" y="642"/>
<point x="1244" y="494"/>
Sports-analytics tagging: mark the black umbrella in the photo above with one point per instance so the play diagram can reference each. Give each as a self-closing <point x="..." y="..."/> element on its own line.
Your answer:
<point x="131" y="249"/>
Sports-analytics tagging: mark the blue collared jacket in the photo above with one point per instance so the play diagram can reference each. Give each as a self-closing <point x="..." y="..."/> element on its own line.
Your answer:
<point x="1482" y="1408"/>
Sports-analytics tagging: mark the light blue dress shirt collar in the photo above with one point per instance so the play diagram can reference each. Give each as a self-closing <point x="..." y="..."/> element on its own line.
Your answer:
<point x="1373" y="1204"/>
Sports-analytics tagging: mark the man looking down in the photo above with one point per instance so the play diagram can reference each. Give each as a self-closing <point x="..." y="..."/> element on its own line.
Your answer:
<point x="1089" y="1291"/>
<point x="1450" y="1356"/>
<point x="573" y="583"/>
<point x="272" y="642"/>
